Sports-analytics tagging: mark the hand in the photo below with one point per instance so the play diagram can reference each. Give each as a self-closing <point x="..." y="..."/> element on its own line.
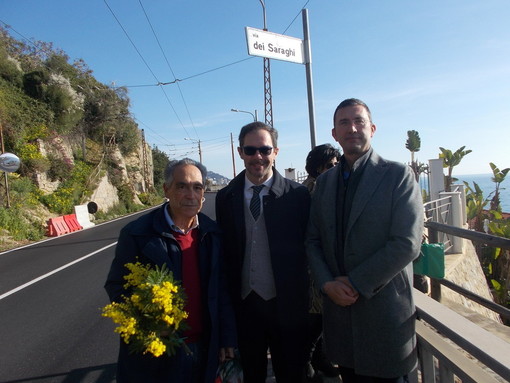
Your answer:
<point x="341" y="291"/>
<point x="226" y="353"/>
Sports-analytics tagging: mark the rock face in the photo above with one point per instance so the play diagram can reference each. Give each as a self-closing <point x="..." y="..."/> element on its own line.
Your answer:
<point x="134" y="170"/>
<point x="105" y="195"/>
<point x="465" y="270"/>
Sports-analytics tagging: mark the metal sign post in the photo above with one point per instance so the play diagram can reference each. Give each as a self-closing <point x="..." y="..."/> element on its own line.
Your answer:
<point x="280" y="47"/>
<point x="309" y="79"/>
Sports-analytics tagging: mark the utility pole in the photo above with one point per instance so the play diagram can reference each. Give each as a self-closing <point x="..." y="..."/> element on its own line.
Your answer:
<point x="8" y="205"/>
<point x="268" y="100"/>
<point x="233" y="158"/>
<point x="146" y="176"/>
<point x="199" y="147"/>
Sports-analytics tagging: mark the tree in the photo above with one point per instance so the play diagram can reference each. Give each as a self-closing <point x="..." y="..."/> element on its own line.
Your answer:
<point x="159" y="161"/>
<point x="413" y="144"/>
<point x="450" y="160"/>
<point x="499" y="176"/>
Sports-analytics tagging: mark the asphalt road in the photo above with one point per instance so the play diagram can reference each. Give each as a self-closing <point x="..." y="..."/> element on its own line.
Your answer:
<point x="51" y="295"/>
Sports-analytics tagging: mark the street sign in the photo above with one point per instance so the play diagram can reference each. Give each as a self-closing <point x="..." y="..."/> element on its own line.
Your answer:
<point x="274" y="46"/>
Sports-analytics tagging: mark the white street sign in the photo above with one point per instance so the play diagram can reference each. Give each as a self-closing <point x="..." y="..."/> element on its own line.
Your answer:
<point x="274" y="46"/>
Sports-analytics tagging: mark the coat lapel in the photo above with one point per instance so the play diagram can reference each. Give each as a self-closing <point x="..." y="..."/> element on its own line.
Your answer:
<point x="372" y="176"/>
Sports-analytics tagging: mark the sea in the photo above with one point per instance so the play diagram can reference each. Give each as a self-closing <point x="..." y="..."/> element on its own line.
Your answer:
<point x="485" y="183"/>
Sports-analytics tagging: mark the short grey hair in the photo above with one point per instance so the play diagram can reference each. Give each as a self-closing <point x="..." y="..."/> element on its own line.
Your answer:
<point x="170" y="168"/>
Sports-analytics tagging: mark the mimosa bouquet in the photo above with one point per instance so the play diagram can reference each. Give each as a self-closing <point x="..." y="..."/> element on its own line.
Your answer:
<point x="151" y="319"/>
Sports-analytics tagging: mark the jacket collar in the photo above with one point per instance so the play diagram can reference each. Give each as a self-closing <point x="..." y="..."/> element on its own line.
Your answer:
<point x="160" y="224"/>
<point x="278" y="187"/>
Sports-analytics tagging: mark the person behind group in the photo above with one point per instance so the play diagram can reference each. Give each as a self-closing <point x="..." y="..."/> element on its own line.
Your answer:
<point x="266" y="260"/>
<point x="190" y="244"/>
<point x="366" y="225"/>
<point x="319" y="159"/>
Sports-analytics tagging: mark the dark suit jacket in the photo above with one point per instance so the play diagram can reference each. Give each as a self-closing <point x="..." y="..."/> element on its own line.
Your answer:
<point x="286" y="211"/>
<point x="376" y="335"/>
<point x="149" y="240"/>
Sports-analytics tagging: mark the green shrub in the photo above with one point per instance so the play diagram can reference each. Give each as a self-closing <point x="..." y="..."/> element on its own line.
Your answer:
<point x="150" y="199"/>
<point x="18" y="226"/>
<point x="71" y="191"/>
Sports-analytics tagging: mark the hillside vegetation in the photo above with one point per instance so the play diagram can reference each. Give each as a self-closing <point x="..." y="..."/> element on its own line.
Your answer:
<point x="70" y="132"/>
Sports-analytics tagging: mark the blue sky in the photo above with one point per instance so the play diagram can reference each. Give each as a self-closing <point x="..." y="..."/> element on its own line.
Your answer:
<point x="438" y="67"/>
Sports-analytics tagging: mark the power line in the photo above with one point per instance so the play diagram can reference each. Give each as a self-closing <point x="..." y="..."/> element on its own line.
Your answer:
<point x="169" y="66"/>
<point x="294" y="19"/>
<point x="145" y="62"/>
<point x="176" y="81"/>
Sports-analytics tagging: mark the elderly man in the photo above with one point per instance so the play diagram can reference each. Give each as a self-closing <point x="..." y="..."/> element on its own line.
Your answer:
<point x="264" y="217"/>
<point x="189" y="244"/>
<point x="366" y="225"/>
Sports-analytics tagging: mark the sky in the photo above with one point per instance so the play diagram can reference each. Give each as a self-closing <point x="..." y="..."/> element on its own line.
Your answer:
<point x="438" y="67"/>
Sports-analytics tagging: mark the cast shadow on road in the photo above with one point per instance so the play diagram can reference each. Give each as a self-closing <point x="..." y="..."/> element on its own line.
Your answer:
<point x="104" y="373"/>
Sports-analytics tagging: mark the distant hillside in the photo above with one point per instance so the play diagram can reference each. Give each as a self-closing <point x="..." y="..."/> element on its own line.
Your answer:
<point x="217" y="179"/>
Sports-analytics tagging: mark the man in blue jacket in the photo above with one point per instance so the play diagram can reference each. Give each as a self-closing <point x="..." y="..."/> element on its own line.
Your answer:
<point x="189" y="243"/>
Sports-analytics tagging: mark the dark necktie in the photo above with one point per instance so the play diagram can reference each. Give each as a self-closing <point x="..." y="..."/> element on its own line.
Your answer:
<point x="255" y="201"/>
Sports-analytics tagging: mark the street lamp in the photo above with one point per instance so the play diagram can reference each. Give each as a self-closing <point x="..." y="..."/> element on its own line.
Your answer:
<point x="255" y="118"/>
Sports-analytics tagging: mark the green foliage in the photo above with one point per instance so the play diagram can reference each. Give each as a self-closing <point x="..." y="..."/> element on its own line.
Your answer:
<point x="475" y="206"/>
<point x="35" y="132"/>
<point x="450" y="160"/>
<point x="43" y="95"/>
<point x="150" y="199"/>
<point x="23" y="196"/>
<point x="59" y="168"/>
<point x="63" y="96"/>
<point x="70" y="192"/>
<point x="494" y="261"/>
<point x="126" y="197"/>
<point x="500" y="260"/>
<point x="32" y="161"/>
<point x="35" y="83"/>
<point x="20" y="113"/>
<point x="19" y="228"/>
<point x="498" y="178"/>
<point x="8" y="68"/>
<point x="159" y="161"/>
<point x="413" y="142"/>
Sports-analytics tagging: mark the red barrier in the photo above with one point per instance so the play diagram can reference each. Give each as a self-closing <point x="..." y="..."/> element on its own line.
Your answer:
<point x="72" y="222"/>
<point x="57" y="226"/>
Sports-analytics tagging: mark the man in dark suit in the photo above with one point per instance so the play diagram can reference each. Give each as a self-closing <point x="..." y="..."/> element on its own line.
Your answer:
<point x="264" y="218"/>
<point x="366" y="225"/>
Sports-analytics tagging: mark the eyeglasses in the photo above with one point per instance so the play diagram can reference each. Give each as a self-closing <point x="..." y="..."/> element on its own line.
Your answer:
<point x="263" y="150"/>
<point x="358" y="122"/>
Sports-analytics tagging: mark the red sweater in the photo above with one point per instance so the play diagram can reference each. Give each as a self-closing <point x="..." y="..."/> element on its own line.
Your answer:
<point x="191" y="283"/>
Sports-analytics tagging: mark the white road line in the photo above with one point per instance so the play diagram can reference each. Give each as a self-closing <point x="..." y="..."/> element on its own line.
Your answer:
<point x="54" y="271"/>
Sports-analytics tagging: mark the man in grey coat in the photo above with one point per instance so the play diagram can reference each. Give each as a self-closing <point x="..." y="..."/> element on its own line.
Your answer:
<point x="365" y="229"/>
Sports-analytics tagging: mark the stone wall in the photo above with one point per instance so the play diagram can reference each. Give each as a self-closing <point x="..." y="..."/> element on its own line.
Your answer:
<point x="465" y="270"/>
<point x="105" y="193"/>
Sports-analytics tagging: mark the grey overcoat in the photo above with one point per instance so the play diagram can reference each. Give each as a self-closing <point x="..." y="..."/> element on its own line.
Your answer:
<point x="376" y="335"/>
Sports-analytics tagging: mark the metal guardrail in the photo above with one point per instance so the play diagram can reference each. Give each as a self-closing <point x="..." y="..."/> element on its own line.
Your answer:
<point x="450" y="347"/>
<point x="476" y="236"/>
<point x="440" y="361"/>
